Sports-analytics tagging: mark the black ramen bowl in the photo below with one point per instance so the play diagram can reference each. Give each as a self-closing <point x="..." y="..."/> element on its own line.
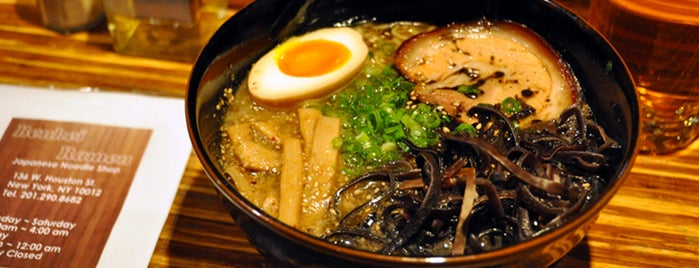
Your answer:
<point x="604" y="79"/>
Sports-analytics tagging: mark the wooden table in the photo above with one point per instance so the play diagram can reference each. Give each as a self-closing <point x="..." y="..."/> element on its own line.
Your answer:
<point x="653" y="221"/>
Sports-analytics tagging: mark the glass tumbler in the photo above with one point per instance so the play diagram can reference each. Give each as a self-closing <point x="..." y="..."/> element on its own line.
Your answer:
<point x="659" y="41"/>
<point x="68" y="16"/>
<point x="167" y="29"/>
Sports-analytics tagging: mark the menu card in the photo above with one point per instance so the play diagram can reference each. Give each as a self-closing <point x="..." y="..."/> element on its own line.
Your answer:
<point x="86" y="178"/>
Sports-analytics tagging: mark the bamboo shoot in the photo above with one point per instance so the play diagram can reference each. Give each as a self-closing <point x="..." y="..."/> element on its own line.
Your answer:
<point x="322" y="169"/>
<point x="291" y="182"/>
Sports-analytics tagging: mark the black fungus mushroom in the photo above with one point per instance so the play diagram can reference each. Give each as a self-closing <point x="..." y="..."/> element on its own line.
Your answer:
<point x="483" y="193"/>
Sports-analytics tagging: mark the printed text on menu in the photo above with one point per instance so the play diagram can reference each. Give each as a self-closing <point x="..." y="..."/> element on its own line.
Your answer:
<point x="62" y="186"/>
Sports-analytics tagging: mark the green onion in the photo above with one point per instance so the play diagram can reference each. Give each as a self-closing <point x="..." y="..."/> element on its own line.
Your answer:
<point x="465" y="129"/>
<point x="515" y="124"/>
<point x="376" y="120"/>
<point x="389" y="146"/>
<point x="469" y="90"/>
<point x="511" y="105"/>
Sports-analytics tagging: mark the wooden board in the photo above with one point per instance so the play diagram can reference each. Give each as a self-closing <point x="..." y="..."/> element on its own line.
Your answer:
<point x="653" y="221"/>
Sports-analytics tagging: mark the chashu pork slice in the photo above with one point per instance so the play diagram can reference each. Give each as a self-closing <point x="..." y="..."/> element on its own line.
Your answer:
<point x="501" y="59"/>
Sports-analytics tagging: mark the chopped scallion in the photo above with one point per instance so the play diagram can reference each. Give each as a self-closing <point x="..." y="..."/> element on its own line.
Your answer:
<point x="376" y="120"/>
<point x="511" y="105"/>
<point x="470" y="90"/>
<point x="466" y="129"/>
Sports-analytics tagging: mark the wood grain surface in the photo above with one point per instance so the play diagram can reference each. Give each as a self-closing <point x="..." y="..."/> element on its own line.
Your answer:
<point x="652" y="222"/>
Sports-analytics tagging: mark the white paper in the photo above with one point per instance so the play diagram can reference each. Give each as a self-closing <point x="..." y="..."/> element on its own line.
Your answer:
<point x="147" y="204"/>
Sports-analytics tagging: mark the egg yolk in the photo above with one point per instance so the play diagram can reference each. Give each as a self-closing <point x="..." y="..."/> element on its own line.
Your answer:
<point x="313" y="58"/>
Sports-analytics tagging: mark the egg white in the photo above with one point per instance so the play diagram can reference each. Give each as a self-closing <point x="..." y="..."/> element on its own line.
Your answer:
<point x="269" y="85"/>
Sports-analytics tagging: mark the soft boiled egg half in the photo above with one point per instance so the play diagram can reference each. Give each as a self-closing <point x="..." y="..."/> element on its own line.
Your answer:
<point x="307" y="66"/>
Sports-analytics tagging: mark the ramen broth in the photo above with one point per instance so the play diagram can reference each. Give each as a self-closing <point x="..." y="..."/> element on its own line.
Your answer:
<point x="488" y="175"/>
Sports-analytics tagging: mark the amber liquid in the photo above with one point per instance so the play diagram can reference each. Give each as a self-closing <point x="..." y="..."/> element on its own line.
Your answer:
<point x="659" y="41"/>
<point x="167" y="38"/>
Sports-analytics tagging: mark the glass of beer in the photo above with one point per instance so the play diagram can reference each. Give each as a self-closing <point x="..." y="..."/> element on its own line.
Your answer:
<point x="659" y="41"/>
